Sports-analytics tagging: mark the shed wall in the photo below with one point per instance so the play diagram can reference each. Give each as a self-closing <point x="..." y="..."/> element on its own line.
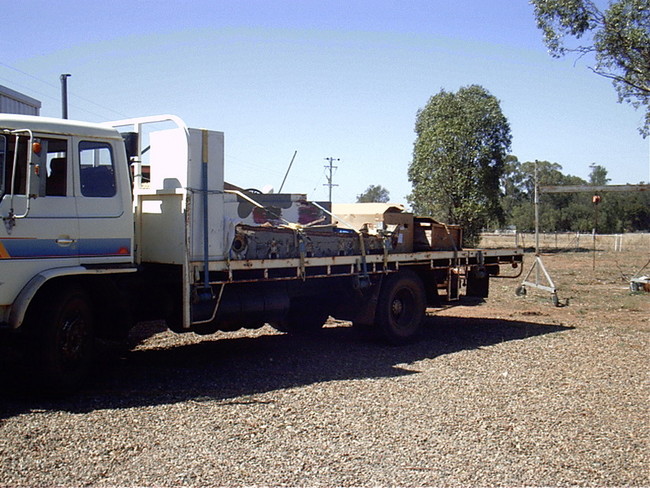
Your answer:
<point x="13" y="102"/>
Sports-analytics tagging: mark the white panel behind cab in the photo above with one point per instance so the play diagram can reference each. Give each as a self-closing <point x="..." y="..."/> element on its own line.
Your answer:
<point x="177" y="166"/>
<point x="215" y="163"/>
<point x="168" y="159"/>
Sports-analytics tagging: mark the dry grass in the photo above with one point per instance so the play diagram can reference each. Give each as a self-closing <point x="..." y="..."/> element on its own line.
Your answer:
<point x="565" y="241"/>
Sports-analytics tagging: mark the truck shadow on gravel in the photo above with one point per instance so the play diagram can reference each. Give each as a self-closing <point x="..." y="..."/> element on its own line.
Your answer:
<point x="231" y="368"/>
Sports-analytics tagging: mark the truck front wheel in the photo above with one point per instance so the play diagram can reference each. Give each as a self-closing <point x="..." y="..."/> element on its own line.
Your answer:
<point x="63" y="333"/>
<point x="401" y="307"/>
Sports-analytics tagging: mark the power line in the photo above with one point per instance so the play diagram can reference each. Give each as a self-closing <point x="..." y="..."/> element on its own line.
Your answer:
<point x="28" y="74"/>
<point x="31" y="90"/>
<point x="51" y="85"/>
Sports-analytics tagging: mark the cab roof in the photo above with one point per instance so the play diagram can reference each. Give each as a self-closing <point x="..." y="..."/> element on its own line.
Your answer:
<point x="51" y="125"/>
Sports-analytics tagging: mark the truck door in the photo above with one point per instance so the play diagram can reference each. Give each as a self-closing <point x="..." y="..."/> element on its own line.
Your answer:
<point x="105" y="219"/>
<point x="37" y="205"/>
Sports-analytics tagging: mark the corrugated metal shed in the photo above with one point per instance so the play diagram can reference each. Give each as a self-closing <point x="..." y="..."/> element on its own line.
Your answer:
<point x="13" y="102"/>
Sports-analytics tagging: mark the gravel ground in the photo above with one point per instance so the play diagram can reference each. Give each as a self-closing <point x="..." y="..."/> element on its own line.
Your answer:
<point x="510" y="392"/>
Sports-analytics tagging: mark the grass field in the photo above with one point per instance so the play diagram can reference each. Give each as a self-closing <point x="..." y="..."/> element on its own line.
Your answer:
<point x="571" y="241"/>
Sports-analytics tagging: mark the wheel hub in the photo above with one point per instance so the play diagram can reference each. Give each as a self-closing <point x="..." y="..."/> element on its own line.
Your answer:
<point x="72" y="337"/>
<point x="397" y="307"/>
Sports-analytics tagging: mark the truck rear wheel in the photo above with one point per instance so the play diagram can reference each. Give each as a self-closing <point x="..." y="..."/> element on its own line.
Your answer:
<point x="63" y="331"/>
<point x="401" y="307"/>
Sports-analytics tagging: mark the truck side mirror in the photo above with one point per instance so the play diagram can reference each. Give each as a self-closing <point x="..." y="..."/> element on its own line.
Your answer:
<point x="3" y="158"/>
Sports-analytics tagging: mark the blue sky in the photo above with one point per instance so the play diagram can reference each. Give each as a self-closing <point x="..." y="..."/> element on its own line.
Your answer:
<point x="341" y="78"/>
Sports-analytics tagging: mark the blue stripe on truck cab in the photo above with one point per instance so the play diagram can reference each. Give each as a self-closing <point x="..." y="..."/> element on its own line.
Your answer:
<point x="31" y="248"/>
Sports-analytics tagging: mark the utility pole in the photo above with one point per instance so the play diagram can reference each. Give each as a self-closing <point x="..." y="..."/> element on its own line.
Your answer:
<point x="64" y="95"/>
<point x="331" y="168"/>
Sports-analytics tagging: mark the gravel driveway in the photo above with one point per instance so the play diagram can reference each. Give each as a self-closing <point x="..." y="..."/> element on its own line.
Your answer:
<point x="492" y="395"/>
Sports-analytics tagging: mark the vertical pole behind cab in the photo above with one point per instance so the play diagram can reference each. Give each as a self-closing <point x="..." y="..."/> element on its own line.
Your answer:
<point x="64" y="95"/>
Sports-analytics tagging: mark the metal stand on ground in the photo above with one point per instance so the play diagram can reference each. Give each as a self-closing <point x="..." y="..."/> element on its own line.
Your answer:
<point x="538" y="265"/>
<point x="550" y="286"/>
<point x="635" y="284"/>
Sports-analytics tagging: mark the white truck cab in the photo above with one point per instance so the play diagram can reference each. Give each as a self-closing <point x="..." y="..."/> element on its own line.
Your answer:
<point x="64" y="201"/>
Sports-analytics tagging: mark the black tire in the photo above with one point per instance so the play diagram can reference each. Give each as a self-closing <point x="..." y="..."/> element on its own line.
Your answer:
<point x="305" y="316"/>
<point x="401" y="307"/>
<point x="63" y="335"/>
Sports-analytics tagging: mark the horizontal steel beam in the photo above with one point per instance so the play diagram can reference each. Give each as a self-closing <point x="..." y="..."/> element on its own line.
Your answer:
<point x="592" y="188"/>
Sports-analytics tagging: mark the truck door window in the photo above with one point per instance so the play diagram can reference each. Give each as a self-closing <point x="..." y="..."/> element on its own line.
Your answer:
<point x="56" y="161"/>
<point x="97" y="173"/>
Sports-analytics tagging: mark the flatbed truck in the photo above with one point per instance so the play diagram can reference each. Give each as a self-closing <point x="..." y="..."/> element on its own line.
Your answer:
<point x="106" y="225"/>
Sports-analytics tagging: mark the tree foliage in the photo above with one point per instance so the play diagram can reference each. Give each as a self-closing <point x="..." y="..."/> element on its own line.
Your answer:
<point x="598" y="175"/>
<point x="374" y="193"/>
<point x="458" y="158"/>
<point x="619" y="38"/>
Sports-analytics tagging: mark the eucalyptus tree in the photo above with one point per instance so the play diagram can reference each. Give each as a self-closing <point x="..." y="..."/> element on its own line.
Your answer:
<point x="458" y="159"/>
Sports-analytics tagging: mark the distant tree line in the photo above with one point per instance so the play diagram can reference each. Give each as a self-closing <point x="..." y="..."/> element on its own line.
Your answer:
<point x="615" y="212"/>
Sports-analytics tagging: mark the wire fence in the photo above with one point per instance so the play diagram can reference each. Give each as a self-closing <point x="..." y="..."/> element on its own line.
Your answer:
<point x="568" y="241"/>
